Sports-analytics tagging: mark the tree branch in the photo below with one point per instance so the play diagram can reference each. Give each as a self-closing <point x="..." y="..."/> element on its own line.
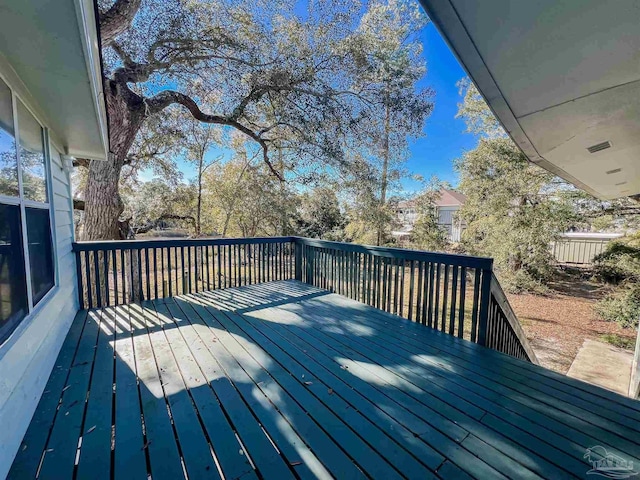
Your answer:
<point x="117" y="19"/>
<point x="169" y="97"/>
<point x="166" y="216"/>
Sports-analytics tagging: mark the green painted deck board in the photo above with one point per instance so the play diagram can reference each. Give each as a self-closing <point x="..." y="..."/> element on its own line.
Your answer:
<point x="283" y="380"/>
<point x="472" y="376"/>
<point x="399" y="381"/>
<point x="344" y="425"/>
<point x="160" y="443"/>
<point x="28" y="458"/>
<point x="95" y="455"/>
<point x="62" y="445"/>
<point x="224" y="443"/>
<point x="326" y="388"/>
<point x="129" y="455"/>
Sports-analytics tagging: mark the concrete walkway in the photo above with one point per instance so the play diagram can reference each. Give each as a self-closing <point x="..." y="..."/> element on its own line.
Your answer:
<point x="604" y="365"/>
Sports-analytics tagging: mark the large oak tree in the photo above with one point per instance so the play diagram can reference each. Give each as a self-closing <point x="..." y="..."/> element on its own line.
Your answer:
<point x="252" y="66"/>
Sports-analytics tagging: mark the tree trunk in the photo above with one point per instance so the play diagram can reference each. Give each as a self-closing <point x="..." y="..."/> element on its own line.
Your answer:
<point x="199" y="206"/>
<point x="385" y="169"/>
<point x="103" y="204"/>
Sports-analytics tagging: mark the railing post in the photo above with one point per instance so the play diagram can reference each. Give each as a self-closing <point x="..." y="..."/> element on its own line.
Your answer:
<point x="298" y="259"/>
<point x="79" y="277"/>
<point x="485" y="297"/>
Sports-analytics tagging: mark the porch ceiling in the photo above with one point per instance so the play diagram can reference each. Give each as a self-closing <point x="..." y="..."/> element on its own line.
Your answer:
<point x="561" y="76"/>
<point x="53" y="48"/>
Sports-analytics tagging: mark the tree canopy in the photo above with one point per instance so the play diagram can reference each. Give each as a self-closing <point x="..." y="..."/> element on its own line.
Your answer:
<point x="307" y="85"/>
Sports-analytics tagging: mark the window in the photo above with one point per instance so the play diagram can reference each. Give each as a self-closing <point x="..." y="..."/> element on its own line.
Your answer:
<point x="26" y="249"/>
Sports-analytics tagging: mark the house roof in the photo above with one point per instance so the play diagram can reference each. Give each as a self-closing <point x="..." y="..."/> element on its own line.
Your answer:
<point x="49" y="54"/>
<point x="447" y="198"/>
<point x="563" y="78"/>
<point x="450" y="198"/>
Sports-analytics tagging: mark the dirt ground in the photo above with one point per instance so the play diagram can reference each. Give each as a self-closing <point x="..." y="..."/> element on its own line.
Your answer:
<point x="557" y="324"/>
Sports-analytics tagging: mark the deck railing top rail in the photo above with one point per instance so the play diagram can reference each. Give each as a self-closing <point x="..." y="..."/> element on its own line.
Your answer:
<point x="92" y="246"/>
<point x="454" y="294"/>
<point x="402" y="253"/>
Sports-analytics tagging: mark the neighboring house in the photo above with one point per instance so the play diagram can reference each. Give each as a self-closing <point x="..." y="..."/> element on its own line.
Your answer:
<point x="51" y="106"/>
<point x="447" y="204"/>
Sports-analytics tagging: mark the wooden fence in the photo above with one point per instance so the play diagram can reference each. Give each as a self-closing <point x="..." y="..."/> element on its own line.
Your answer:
<point x="454" y="294"/>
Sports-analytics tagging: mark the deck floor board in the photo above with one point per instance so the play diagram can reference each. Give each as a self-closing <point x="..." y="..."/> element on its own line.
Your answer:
<point x="283" y="380"/>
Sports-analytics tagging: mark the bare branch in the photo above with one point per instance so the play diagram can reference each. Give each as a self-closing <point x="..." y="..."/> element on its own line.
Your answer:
<point x="117" y="19"/>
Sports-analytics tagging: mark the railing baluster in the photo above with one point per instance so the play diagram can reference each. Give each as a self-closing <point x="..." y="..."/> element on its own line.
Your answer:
<point x="98" y="279"/>
<point x="170" y="274"/>
<point x="79" y="279"/>
<point x="436" y="308"/>
<point x="475" y="306"/>
<point x="105" y="260"/>
<point x="206" y="251"/>
<point x="402" y="273"/>
<point x="155" y="272"/>
<point x="123" y="276"/>
<point x="443" y="319"/>
<point x="419" y="310"/>
<point x="115" y="276"/>
<point x="463" y="295"/>
<point x="454" y="291"/>
<point x="196" y="269"/>
<point x="147" y="272"/>
<point x="141" y="291"/>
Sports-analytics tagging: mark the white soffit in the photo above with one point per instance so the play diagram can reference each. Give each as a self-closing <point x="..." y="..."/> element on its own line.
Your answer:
<point x="52" y="47"/>
<point x="561" y="76"/>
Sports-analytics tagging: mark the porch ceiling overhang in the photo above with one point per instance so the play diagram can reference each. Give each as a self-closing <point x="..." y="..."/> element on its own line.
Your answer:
<point x="561" y="76"/>
<point x="53" y="49"/>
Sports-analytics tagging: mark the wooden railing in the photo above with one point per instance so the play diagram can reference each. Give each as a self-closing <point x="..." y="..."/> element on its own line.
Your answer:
<point x="454" y="294"/>
<point x="118" y="272"/>
<point x="504" y="332"/>
<point x="439" y="290"/>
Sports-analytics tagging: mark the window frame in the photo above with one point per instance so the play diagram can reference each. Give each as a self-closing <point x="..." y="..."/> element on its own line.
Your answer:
<point x="24" y="203"/>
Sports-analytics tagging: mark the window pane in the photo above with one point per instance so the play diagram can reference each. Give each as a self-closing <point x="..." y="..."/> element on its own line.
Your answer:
<point x="34" y="186"/>
<point x="40" y="252"/>
<point x="13" y="285"/>
<point x="8" y="157"/>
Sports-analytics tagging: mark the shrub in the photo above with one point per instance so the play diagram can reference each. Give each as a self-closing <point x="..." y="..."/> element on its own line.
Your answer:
<point x="619" y="265"/>
<point x="620" y="262"/>
<point x="621" y="306"/>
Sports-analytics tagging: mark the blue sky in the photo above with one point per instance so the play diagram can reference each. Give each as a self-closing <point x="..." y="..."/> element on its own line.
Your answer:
<point x="445" y="138"/>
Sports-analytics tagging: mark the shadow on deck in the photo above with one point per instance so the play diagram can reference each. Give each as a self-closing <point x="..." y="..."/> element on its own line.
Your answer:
<point x="283" y="380"/>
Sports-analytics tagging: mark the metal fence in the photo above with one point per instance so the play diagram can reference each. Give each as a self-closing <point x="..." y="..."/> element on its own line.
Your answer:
<point x="576" y="249"/>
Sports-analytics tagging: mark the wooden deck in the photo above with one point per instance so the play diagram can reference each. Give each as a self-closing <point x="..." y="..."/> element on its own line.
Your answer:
<point x="282" y="380"/>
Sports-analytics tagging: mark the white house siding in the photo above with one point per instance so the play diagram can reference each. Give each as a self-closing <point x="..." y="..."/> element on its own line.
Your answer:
<point x="28" y="356"/>
<point x="448" y="221"/>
